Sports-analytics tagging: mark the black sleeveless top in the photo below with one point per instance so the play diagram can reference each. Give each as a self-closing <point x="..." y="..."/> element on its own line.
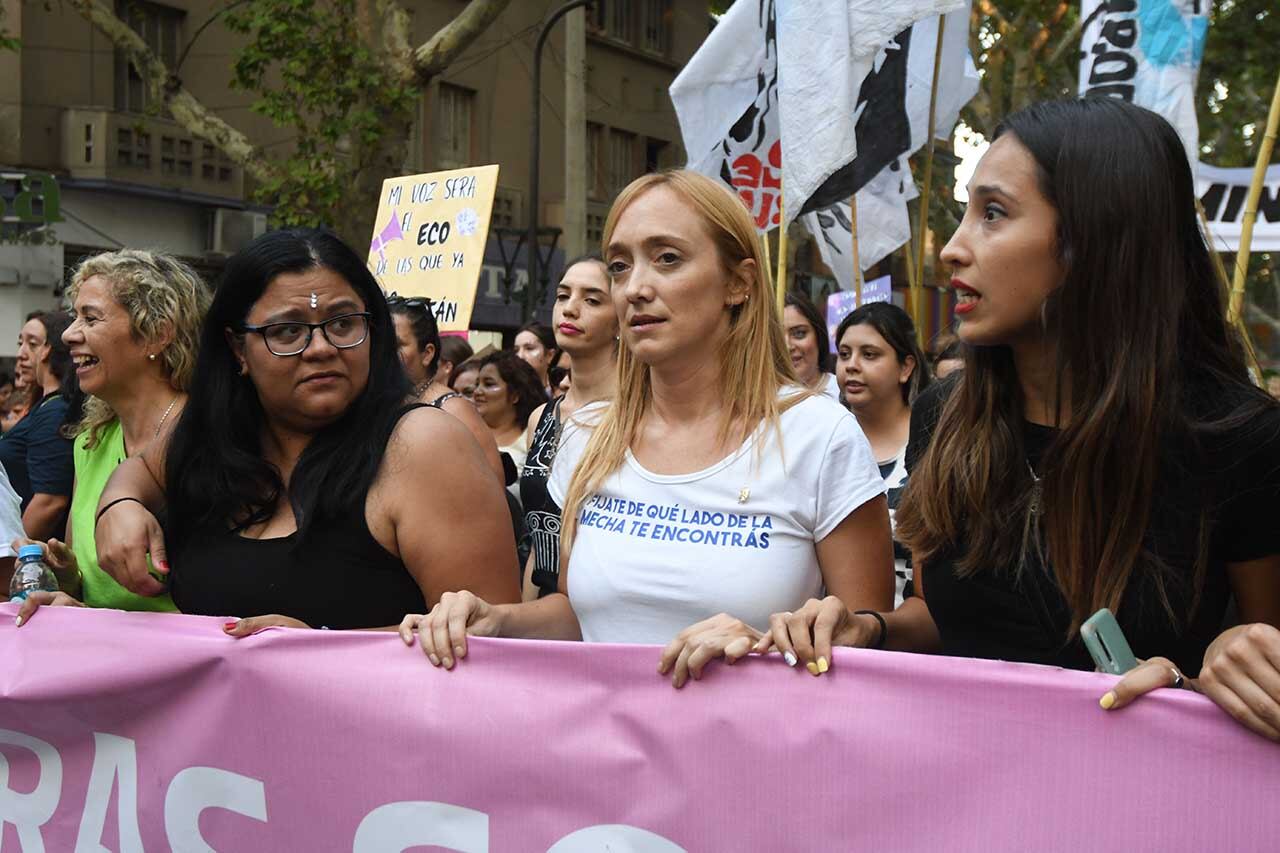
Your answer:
<point x="541" y="515"/>
<point x="339" y="576"/>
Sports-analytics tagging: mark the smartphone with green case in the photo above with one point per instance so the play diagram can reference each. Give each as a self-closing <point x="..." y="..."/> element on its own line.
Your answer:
<point x="1105" y="641"/>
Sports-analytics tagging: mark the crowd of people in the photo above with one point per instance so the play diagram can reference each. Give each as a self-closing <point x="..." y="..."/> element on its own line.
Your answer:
<point x="674" y="461"/>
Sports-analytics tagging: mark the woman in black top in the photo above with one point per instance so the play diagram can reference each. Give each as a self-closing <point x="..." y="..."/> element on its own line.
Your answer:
<point x="36" y="453"/>
<point x="1104" y="445"/>
<point x="293" y="483"/>
<point x="418" y="341"/>
<point x="586" y="327"/>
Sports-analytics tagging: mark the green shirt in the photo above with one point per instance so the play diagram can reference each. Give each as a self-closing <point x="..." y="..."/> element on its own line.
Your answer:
<point x="93" y="469"/>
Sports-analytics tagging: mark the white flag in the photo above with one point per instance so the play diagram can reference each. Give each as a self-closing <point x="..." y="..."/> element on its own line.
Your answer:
<point x="1223" y="192"/>
<point x="883" y="225"/>
<point x="726" y="99"/>
<point x="1147" y="52"/>
<point x="826" y="49"/>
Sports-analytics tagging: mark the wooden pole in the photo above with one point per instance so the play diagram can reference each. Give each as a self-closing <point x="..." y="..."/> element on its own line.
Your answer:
<point x="917" y="292"/>
<point x="857" y="260"/>
<point x="768" y="259"/>
<point x="1251" y="205"/>
<point x="1224" y="285"/>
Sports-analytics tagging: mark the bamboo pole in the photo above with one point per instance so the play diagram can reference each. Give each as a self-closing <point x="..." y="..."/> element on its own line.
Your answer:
<point x="780" y="283"/>
<point x="917" y="292"/>
<point x="1251" y="205"/>
<point x="780" y="286"/>
<point x="1224" y="285"/>
<point x="768" y="259"/>
<point x="857" y="260"/>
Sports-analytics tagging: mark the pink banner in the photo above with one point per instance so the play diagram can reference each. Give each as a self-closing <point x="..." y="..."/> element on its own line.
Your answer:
<point x="126" y="732"/>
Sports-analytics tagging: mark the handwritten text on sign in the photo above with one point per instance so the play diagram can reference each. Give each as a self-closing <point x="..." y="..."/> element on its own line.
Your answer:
<point x="429" y="238"/>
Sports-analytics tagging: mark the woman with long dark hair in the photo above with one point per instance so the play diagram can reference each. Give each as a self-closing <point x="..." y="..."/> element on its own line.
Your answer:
<point x="882" y="370"/>
<point x="37" y="452"/>
<point x="418" y="340"/>
<point x="507" y="393"/>
<point x="587" y="332"/>
<point x="535" y="345"/>
<point x="294" y="480"/>
<point x="1104" y="445"/>
<point x="809" y="345"/>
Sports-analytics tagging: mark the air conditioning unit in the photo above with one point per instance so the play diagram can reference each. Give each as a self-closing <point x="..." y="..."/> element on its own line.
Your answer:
<point x="232" y="230"/>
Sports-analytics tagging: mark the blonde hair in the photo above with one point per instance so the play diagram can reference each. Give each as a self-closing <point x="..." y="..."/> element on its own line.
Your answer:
<point x="754" y="364"/>
<point x="160" y="294"/>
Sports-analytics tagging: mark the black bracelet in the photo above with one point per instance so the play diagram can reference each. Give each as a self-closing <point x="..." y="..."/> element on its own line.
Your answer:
<point x="98" y="517"/>
<point x="884" y="627"/>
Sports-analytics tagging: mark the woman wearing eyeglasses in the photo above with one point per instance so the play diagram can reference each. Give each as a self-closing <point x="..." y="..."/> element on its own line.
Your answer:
<point x="293" y="481"/>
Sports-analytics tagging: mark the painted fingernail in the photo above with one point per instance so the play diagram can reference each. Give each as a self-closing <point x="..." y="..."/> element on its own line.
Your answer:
<point x="435" y="661"/>
<point x="812" y="667"/>
<point x="229" y="626"/>
<point x="1107" y="701"/>
<point x="790" y="658"/>
<point x="18" y="621"/>
<point x="164" y="566"/>
<point x="823" y="666"/>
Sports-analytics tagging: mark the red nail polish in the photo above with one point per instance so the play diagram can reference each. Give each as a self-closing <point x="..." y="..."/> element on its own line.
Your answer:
<point x="227" y="626"/>
<point x="164" y="566"/>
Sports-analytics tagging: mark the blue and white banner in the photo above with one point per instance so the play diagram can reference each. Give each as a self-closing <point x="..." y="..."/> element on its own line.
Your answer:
<point x="1147" y="52"/>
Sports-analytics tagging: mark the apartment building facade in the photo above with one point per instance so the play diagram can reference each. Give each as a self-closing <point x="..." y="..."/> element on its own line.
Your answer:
<point x="72" y="108"/>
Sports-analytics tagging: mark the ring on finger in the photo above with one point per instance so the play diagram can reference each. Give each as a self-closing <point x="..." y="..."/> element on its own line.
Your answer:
<point x="1178" y="680"/>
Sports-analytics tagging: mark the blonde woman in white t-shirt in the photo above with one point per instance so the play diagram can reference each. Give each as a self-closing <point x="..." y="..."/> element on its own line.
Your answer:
<point x="715" y="491"/>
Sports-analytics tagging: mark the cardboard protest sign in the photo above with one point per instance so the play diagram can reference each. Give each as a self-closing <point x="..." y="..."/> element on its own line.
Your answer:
<point x="429" y="238"/>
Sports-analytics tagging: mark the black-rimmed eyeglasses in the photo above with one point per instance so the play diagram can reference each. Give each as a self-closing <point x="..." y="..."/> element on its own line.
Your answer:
<point x="285" y="339"/>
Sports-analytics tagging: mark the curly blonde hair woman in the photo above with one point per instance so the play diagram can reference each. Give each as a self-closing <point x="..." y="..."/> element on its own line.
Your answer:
<point x="134" y="340"/>
<point x="685" y="515"/>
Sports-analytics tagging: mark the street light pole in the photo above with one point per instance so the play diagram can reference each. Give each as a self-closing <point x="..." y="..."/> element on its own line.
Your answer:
<point x="534" y="145"/>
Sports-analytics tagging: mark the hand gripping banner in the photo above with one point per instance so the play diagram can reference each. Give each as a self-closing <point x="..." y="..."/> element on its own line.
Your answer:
<point x="129" y="732"/>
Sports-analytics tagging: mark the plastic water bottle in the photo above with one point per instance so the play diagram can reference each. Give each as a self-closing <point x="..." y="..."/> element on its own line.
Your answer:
<point x="30" y="574"/>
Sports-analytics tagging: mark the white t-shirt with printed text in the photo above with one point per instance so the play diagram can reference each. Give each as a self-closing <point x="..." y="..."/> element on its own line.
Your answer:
<point x="656" y="553"/>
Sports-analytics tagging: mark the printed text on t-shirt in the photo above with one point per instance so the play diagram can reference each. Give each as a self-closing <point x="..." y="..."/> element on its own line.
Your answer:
<point x="674" y="523"/>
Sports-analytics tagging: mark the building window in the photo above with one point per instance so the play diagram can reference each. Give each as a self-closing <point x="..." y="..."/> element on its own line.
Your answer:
<point x="454" y="120"/>
<point x="622" y="160"/>
<point x="645" y="24"/>
<point x="161" y="28"/>
<point x="508" y="209"/>
<point x="655" y="26"/>
<point x="88" y="143"/>
<point x="595" y="161"/>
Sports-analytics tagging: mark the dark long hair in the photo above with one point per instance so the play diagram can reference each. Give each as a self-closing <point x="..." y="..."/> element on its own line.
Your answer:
<point x="520" y="378"/>
<point x="803" y="304"/>
<point x="62" y="367"/>
<point x="1138" y="330"/>
<point x="422" y="322"/>
<point x="216" y="475"/>
<point x="895" y="326"/>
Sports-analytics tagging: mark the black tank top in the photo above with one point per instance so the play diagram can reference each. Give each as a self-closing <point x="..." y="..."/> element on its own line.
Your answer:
<point x="339" y="576"/>
<point x="541" y="515"/>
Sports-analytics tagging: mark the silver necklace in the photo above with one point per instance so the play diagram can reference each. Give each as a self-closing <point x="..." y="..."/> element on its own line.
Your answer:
<point x="1036" y="491"/>
<point x="165" y="416"/>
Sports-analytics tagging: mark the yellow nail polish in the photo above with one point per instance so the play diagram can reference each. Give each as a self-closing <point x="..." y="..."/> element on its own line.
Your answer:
<point x="1107" y="701"/>
<point x="823" y="666"/>
<point x="812" y="667"/>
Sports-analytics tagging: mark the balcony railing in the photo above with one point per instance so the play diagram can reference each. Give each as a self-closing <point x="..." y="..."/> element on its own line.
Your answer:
<point x="106" y="145"/>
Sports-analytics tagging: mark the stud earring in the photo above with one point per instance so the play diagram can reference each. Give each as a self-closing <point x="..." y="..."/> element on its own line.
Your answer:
<point x="151" y="357"/>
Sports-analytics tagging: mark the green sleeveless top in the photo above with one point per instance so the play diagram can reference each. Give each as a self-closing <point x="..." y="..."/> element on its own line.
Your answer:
<point x="93" y="469"/>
